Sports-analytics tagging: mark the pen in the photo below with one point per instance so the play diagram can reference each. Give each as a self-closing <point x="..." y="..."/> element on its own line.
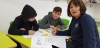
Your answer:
<point x="32" y="27"/>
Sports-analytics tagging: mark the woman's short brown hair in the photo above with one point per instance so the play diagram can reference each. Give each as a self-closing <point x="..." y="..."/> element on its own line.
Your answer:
<point x="77" y="3"/>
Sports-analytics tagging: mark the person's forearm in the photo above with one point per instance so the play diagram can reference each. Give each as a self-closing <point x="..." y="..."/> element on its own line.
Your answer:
<point x="63" y="33"/>
<point x="18" y="32"/>
<point x="44" y="26"/>
<point x="63" y="27"/>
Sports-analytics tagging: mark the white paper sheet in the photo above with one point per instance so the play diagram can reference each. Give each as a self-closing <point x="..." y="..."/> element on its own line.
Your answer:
<point x="47" y="42"/>
<point x="40" y="32"/>
<point x="61" y="43"/>
<point x="41" y="42"/>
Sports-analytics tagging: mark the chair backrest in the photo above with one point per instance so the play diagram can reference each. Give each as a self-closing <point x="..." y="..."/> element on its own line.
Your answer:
<point x="11" y="22"/>
<point x="66" y="21"/>
<point x="39" y="20"/>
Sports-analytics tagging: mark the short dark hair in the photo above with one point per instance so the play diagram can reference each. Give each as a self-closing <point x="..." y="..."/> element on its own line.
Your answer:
<point x="77" y="3"/>
<point x="57" y="9"/>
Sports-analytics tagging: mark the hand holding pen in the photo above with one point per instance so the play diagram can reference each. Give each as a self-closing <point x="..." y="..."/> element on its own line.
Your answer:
<point x="31" y="32"/>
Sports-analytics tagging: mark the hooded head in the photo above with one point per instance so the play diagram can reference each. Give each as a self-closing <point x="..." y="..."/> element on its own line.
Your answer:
<point x="28" y="13"/>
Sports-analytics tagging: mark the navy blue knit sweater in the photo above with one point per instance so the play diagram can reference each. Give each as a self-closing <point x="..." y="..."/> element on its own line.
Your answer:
<point x="83" y="32"/>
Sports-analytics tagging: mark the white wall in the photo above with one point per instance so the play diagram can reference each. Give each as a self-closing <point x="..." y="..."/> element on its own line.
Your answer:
<point x="9" y="9"/>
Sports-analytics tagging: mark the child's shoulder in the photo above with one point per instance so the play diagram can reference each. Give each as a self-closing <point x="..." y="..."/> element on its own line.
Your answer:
<point x="46" y="16"/>
<point x="18" y="18"/>
<point x="86" y="15"/>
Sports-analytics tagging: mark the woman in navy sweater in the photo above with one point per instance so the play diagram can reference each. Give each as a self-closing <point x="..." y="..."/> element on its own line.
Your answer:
<point x="83" y="29"/>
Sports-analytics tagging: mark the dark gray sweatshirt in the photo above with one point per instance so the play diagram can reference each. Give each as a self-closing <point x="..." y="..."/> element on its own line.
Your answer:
<point x="48" y="20"/>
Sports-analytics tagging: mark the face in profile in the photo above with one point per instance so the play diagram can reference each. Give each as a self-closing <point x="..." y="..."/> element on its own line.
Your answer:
<point x="56" y="15"/>
<point x="31" y="19"/>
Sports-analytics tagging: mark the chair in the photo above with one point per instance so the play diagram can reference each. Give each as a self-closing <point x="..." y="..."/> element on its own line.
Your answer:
<point x="11" y="22"/>
<point x="65" y="21"/>
<point x="39" y="20"/>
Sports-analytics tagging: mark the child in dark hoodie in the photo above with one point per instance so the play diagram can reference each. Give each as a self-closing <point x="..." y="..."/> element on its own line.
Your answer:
<point x="25" y="24"/>
<point x="52" y="20"/>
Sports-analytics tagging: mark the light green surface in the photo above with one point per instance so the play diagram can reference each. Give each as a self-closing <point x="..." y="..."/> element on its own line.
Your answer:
<point x="5" y="41"/>
<point x="99" y="29"/>
<point x="22" y="40"/>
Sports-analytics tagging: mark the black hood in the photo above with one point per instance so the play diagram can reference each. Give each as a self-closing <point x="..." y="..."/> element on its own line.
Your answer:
<point x="28" y="12"/>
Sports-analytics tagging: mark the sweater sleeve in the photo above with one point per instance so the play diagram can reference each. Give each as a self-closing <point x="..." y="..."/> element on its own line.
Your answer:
<point x="14" y="28"/>
<point x="35" y="25"/>
<point x="43" y="23"/>
<point x="63" y="33"/>
<point x="89" y="30"/>
<point x="62" y="25"/>
<point x="66" y="32"/>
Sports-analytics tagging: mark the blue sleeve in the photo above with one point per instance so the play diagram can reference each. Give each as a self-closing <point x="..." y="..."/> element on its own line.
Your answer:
<point x="63" y="33"/>
<point x="88" y="28"/>
<point x="44" y="23"/>
<point x="66" y="32"/>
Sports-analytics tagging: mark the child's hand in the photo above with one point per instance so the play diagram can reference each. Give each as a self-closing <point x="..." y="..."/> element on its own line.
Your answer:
<point x="51" y="26"/>
<point x="31" y="32"/>
<point x="58" y="29"/>
<point x="22" y="29"/>
<point x="54" y="32"/>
